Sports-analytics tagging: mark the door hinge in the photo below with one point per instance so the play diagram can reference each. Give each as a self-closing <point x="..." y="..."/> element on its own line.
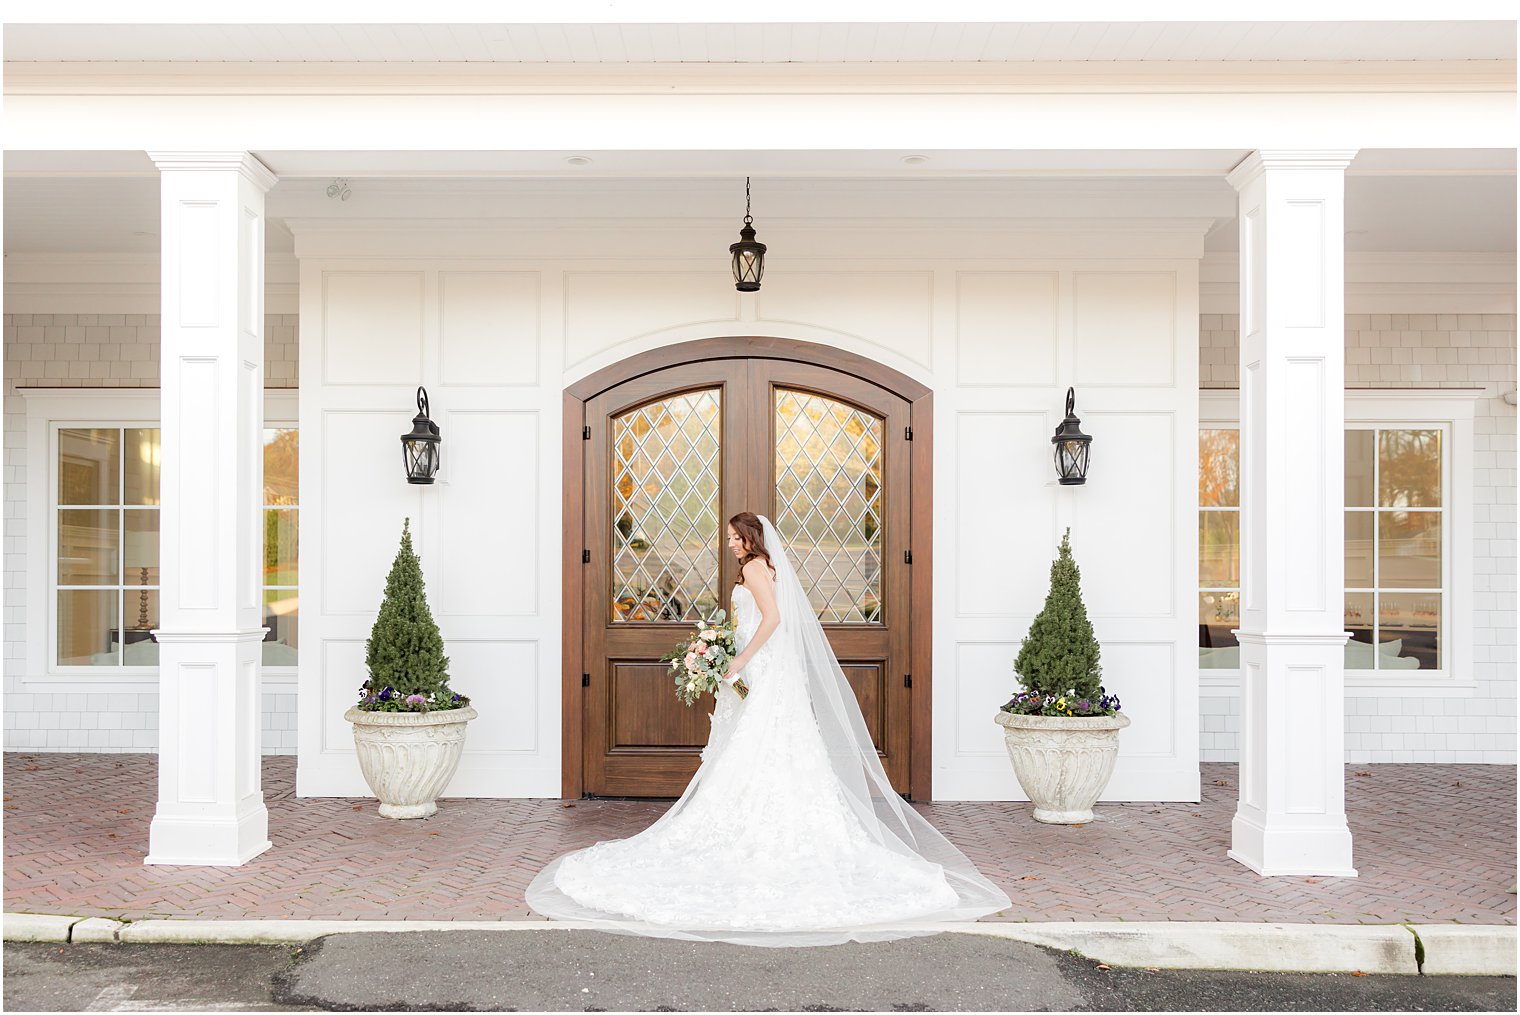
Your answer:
<point x="585" y="433"/>
<point x="585" y="680"/>
<point x="907" y="680"/>
<point x="585" y="556"/>
<point x="907" y="556"/>
<point x="907" y="433"/>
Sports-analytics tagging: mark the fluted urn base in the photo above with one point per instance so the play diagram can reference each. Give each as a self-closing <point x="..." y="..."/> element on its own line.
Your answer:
<point x="408" y="758"/>
<point x="1062" y="762"/>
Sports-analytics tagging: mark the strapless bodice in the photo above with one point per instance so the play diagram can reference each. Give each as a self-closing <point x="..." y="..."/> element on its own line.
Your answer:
<point x="746" y="616"/>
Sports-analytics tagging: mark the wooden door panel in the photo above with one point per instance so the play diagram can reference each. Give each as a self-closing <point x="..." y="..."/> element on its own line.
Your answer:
<point x="646" y="713"/>
<point x="866" y="680"/>
<point x="653" y="567"/>
<point x="638" y="740"/>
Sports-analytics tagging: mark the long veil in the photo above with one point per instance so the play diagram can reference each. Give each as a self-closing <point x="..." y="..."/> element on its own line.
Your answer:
<point x="667" y="872"/>
<point x="889" y="819"/>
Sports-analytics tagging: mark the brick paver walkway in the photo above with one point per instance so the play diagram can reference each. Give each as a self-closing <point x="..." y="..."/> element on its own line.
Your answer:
<point x="1434" y="843"/>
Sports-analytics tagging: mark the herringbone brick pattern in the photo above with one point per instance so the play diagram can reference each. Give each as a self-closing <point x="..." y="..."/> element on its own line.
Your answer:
<point x="1434" y="843"/>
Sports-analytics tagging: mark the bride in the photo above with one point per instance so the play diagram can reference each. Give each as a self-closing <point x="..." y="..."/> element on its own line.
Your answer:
<point x="789" y="833"/>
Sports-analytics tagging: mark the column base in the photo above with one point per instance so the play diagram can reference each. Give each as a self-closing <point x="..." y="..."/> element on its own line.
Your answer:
<point x="1279" y="852"/>
<point x="219" y="841"/>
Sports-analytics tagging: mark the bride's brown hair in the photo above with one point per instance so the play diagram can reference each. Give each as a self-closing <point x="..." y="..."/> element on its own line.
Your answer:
<point x="747" y="525"/>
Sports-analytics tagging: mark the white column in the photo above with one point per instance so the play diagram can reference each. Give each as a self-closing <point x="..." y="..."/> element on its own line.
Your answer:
<point x="1291" y="818"/>
<point x="210" y="802"/>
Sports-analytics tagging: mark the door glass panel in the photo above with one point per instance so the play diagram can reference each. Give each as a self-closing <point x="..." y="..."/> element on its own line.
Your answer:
<point x="665" y="525"/>
<point x="829" y="503"/>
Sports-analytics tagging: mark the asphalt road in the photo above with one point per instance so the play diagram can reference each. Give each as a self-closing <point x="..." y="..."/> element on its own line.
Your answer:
<point x="587" y="971"/>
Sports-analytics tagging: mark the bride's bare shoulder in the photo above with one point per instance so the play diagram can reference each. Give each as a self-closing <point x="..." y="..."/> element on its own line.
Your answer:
<point x="757" y="570"/>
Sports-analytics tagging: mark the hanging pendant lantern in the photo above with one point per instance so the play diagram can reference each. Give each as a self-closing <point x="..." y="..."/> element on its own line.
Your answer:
<point x="748" y="254"/>
<point x="1071" y="445"/>
<point x="422" y="449"/>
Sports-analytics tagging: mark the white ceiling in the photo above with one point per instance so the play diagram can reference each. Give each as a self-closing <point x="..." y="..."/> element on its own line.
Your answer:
<point x="1385" y="211"/>
<point x="797" y="42"/>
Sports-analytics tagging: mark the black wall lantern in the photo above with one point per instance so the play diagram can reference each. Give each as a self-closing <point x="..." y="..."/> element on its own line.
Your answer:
<point x="748" y="253"/>
<point x="1071" y="445"/>
<point x="422" y="449"/>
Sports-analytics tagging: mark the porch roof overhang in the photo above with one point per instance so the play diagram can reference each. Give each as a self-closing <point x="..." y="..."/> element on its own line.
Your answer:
<point x="788" y="88"/>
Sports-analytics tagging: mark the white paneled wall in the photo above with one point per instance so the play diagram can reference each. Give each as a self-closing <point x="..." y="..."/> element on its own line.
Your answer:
<point x="106" y="351"/>
<point x="1123" y="333"/>
<point x="1423" y="351"/>
<point x="486" y="530"/>
<point x="497" y="338"/>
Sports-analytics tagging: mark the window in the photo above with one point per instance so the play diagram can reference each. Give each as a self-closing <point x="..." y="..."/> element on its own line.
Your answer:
<point x="1407" y="543"/>
<point x="107" y="546"/>
<point x="281" y="556"/>
<point x="1394" y="547"/>
<point x="94" y="598"/>
<point x="1218" y="548"/>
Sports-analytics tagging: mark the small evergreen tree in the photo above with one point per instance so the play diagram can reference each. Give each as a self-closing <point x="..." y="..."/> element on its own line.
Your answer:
<point x="408" y="671"/>
<point x="1058" y="661"/>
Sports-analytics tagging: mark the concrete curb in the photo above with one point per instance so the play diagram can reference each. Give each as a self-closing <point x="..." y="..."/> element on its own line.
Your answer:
<point x="97" y="930"/>
<point x="36" y="927"/>
<point x="1263" y="947"/>
<point x="1466" y="950"/>
<point x="1446" y="949"/>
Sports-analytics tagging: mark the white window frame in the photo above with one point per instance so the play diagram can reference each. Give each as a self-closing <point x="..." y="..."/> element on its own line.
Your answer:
<point x="49" y="410"/>
<point x="1451" y="411"/>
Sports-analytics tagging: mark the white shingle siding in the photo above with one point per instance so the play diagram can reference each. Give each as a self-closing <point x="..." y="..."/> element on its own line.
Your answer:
<point x="96" y="351"/>
<point x="1421" y="351"/>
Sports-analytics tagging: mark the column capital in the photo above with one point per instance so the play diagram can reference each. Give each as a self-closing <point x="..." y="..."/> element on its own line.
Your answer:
<point x="1258" y="162"/>
<point x="242" y="162"/>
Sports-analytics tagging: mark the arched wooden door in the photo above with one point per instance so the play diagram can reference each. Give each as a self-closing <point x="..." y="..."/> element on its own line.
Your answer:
<point x="667" y="457"/>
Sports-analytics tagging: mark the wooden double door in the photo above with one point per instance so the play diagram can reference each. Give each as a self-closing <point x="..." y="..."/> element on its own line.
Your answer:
<point x="668" y="458"/>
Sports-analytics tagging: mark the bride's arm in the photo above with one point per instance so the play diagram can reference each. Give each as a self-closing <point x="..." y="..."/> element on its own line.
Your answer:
<point x="757" y="578"/>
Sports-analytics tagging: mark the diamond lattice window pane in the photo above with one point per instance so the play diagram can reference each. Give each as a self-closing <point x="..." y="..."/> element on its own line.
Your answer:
<point x="665" y="526"/>
<point x="829" y="503"/>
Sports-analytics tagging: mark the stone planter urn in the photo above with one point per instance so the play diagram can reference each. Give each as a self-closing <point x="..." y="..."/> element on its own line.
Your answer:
<point x="1062" y="762"/>
<point x="408" y="758"/>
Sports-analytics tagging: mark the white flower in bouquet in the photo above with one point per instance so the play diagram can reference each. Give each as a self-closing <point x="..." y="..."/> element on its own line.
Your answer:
<point x="705" y="658"/>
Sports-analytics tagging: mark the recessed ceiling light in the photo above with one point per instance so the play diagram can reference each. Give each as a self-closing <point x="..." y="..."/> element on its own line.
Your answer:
<point x="578" y="160"/>
<point x="914" y="160"/>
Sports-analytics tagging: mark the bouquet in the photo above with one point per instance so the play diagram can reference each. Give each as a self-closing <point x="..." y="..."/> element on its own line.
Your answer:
<point x="700" y="662"/>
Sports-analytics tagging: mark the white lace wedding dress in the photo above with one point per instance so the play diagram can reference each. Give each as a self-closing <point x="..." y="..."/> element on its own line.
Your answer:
<point x="785" y="835"/>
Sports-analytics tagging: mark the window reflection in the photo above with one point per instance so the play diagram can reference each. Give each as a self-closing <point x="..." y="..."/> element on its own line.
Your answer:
<point x="665" y="525"/>
<point x="829" y="503"/>
<point x="281" y="546"/>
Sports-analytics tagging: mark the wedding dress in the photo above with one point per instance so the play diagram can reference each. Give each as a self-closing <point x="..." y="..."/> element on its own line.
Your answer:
<point x="789" y="833"/>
